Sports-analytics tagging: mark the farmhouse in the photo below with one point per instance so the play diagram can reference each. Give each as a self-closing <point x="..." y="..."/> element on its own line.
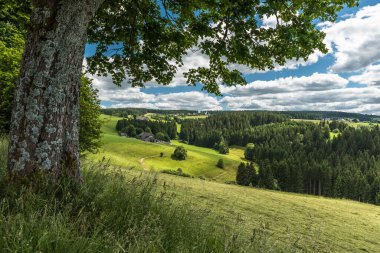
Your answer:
<point x="147" y="137"/>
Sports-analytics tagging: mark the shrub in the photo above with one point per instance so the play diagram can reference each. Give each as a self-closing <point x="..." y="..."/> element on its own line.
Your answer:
<point x="222" y="147"/>
<point x="180" y="153"/>
<point x="220" y="164"/>
<point x="177" y="172"/>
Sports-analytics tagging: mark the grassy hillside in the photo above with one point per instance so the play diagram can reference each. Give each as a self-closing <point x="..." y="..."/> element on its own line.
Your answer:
<point x="140" y="213"/>
<point x="308" y="223"/>
<point x="350" y="123"/>
<point x="111" y="211"/>
<point x="130" y="152"/>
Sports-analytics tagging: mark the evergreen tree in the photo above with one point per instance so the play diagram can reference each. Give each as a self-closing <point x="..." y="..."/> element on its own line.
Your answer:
<point x="248" y="153"/>
<point x="242" y="175"/>
<point x="223" y="147"/>
<point x="220" y="163"/>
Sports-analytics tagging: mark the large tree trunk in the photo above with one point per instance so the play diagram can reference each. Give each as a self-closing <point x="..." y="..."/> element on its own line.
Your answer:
<point x="45" y="118"/>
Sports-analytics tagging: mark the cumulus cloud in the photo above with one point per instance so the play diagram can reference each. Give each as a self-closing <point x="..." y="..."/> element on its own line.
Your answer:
<point x="370" y="76"/>
<point x="290" y="64"/>
<point x="192" y="60"/>
<point x="354" y="41"/>
<point x="315" y="92"/>
<point x="362" y="100"/>
<point x="315" y="82"/>
<point x="174" y="101"/>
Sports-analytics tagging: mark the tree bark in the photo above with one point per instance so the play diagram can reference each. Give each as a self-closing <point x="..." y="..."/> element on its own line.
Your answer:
<point x="44" y="132"/>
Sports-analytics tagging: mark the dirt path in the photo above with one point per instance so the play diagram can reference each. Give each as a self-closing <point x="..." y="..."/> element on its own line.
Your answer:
<point x="142" y="161"/>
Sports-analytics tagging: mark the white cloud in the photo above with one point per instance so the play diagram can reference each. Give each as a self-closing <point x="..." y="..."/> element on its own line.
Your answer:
<point x="315" y="92"/>
<point x="270" y="21"/>
<point x="355" y="41"/>
<point x="126" y="96"/>
<point x="290" y="64"/>
<point x="314" y="82"/>
<point x="370" y="76"/>
<point x="181" y="100"/>
<point x="192" y="60"/>
<point x="362" y="100"/>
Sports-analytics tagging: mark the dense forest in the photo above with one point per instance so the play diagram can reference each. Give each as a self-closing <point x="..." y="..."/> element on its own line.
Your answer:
<point x="301" y="157"/>
<point x="320" y="115"/>
<point x="167" y="128"/>
<point x="234" y="127"/>
<point x="297" y="156"/>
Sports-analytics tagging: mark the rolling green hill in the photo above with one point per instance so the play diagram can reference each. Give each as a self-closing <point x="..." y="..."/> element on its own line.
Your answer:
<point x="130" y="152"/>
<point x="307" y="223"/>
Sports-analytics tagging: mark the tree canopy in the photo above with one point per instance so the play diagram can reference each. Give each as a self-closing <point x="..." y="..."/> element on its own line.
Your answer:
<point x="145" y="40"/>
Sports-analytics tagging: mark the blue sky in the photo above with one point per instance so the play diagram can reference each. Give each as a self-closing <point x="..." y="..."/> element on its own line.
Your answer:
<point x="345" y="79"/>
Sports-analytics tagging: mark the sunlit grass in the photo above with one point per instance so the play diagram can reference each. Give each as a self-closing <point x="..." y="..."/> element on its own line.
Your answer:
<point x="130" y="152"/>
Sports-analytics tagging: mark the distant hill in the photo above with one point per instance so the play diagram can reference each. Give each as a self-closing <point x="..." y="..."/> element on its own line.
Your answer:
<point x="317" y="115"/>
<point x="121" y="112"/>
<point x="330" y="115"/>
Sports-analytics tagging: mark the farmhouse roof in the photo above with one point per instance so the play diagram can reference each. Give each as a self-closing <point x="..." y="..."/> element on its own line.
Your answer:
<point x="145" y="135"/>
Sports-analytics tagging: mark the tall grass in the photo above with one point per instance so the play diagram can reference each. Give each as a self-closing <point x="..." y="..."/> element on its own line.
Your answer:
<point x="111" y="212"/>
<point x="3" y="155"/>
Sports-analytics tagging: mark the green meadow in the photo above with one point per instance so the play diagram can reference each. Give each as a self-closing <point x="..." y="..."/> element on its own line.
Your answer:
<point x="131" y="152"/>
<point x="310" y="223"/>
<point x="302" y="222"/>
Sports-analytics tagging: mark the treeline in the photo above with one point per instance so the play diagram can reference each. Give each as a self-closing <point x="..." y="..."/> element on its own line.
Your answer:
<point x="167" y="128"/>
<point x="320" y="115"/>
<point x="124" y="112"/>
<point x="301" y="157"/>
<point x="233" y="127"/>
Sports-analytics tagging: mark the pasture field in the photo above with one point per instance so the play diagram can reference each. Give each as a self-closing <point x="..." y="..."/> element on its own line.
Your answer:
<point x="130" y="152"/>
<point x="310" y="223"/>
<point x="350" y="123"/>
<point x="195" y="117"/>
